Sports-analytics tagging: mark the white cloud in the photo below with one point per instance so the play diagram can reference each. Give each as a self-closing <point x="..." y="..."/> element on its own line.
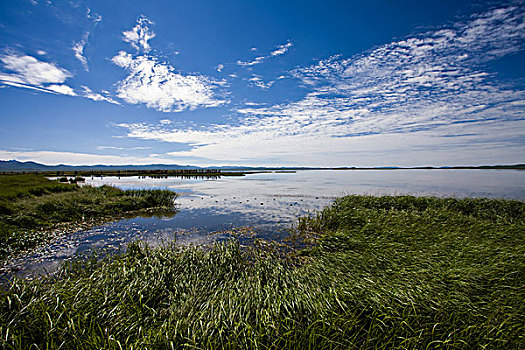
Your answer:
<point x="72" y="158"/>
<point x="421" y="81"/>
<point x="28" y="72"/>
<point x="78" y="48"/>
<point x="31" y="71"/>
<point x="220" y="67"/>
<point x="122" y="148"/>
<point x="264" y="85"/>
<point x="281" y="49"/>
<point x="420" y="100"/>
<point x="482" y="143"/>
<point x="87" y="93"/>
<point x="257" y="60"/>
<point x="158" y="86"/>
<point x="139" y="36"/>
<point x="10" y="81"/>
<point x="41" y="52"/>
<point x="256" y="80"/>
<point x="62" y="89"/>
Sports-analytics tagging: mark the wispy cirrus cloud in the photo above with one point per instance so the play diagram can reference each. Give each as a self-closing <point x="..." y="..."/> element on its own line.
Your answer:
<point x="78" y="49"/>
<point x="28" y="72"/>
<point x="79" y="46"/>
<point x="423" y="97"/>
<point x="88" y="93"/>
<point x="281" y="49"/>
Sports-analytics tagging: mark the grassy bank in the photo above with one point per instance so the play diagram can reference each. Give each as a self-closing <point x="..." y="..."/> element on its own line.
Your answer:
<point x="30" y="205"/>
<point x="387" y="272"/>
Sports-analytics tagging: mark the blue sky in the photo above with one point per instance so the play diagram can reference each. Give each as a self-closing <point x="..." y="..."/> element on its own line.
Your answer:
<point x="270" y="83"/>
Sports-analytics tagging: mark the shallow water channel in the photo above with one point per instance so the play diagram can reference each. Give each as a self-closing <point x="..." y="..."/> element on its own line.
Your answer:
<point x="269" y="203"/>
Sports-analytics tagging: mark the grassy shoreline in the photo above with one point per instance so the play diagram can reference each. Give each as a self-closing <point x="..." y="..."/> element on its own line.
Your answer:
<point x="33" y="209"/>
<point x="386" y="272"/>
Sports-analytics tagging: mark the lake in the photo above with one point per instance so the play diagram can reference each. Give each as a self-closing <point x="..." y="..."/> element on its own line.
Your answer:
<point x="268" y="203"/>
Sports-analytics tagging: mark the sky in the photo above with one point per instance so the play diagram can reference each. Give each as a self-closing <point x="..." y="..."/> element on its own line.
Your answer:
<point x="263" y="83"/>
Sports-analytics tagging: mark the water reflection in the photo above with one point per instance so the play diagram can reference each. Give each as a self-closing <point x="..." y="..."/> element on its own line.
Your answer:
<point x="267" y="202"/>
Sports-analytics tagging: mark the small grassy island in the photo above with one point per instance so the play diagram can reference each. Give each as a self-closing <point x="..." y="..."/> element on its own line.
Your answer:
<point x="32" y="207"/>
<point x="382" y="272"/>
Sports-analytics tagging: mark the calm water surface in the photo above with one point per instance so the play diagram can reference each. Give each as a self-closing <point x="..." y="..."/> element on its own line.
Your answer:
<point x="267" y="202"/>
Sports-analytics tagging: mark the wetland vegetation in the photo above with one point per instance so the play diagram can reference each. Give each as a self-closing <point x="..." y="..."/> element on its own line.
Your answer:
<point x="31" y="206"/>
<point x="381" y="272"/>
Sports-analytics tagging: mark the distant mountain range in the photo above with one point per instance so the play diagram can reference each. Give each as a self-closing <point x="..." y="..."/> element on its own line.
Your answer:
<point x="14" y="165"/>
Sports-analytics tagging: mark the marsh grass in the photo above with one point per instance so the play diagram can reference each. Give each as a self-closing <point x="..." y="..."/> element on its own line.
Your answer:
<point x="14" y="187"/>
<point x="31" y="204"/>
<point x="386" y="272"/>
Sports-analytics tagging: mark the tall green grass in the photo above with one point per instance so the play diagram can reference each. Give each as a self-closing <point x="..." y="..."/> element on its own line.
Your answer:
<point x="31" y="204"/>
<point x="14" y="187"/>
<point x="388" y="272"/>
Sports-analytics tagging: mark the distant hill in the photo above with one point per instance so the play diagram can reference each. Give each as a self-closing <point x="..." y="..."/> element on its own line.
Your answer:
<point x="14" y="165"/>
